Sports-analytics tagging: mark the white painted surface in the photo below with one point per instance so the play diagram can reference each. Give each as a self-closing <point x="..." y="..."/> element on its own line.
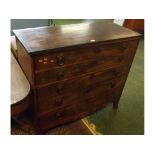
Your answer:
<point x="119" y="21"/>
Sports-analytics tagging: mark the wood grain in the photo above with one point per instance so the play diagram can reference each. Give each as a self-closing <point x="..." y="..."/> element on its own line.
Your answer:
<point x="20" y="86"/>
<point x="26" y="62"/>
<point x="48" y="38"/>
<point x="14" y="46"/>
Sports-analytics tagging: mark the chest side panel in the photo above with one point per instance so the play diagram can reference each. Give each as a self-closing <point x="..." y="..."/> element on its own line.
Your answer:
<point x="26" y="62"/>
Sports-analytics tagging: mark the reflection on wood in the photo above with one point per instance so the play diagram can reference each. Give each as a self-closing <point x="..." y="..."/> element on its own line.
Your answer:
<point x="20" y="87"/>
<point x="13" y="46"/>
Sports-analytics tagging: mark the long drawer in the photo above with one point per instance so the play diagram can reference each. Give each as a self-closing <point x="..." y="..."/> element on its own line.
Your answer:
<point x="72" y="91"/>
<point x="69" y="57"/>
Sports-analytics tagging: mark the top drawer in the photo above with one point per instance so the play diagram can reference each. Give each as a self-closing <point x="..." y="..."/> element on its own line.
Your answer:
<point x="65" y="58"/>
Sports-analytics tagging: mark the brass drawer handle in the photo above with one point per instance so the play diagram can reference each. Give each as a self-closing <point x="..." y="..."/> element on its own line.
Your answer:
<point x="60" y="75"/>
<point x="60" y="60"/>
<point x="40" y="60"/>
<point x="59" y="88"/>
<point x="59" y="101"/>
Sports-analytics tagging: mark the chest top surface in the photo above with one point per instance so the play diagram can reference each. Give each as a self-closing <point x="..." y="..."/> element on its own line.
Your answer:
<point x="49" y="38"/>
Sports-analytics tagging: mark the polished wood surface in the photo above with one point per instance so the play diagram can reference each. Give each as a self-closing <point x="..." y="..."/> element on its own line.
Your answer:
<point x="25" y="62"/>
<point x="72" y="82"/>
<point x="13" y="46"/>
<point x="20" y="88"/>
<point x="48" y="38"/>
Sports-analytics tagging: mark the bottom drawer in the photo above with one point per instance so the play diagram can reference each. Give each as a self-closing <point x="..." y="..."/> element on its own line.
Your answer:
<point x="57" y="118"/>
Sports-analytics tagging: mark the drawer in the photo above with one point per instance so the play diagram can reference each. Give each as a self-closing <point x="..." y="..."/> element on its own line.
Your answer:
<point x="110" y="74"/>
<point x="64" y="88"/>
<point x="99" y="89"/>
<point x="57" y="103"/>
<point x="58" y="117"/>
<point x="59" y="74"/>
<point x="68" y="57"/>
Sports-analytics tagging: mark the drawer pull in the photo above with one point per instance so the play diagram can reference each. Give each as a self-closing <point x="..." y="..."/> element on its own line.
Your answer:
<point x="51" y="61"/>
<point x="60" y="75"/>
<point x="40" y="60"/>
<point x="60" y="60"/>
<point x="59" y="88"/>
<point x="59" y="101"/>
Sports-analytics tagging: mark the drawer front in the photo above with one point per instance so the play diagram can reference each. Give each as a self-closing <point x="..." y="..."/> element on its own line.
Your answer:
<point x="56" y="103"/>
<point x="65" y="58"/>
<point x="101" y="88"/>
<point x="103" y="77"/>
<point x="99" y="100"/>
<point x="70" y="91"/>
<point x="58" y="74"/>
<point x="58" y="117"/>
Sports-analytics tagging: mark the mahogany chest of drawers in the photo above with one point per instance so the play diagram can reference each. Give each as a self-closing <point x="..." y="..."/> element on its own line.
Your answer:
<point x="74" y="70"/>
